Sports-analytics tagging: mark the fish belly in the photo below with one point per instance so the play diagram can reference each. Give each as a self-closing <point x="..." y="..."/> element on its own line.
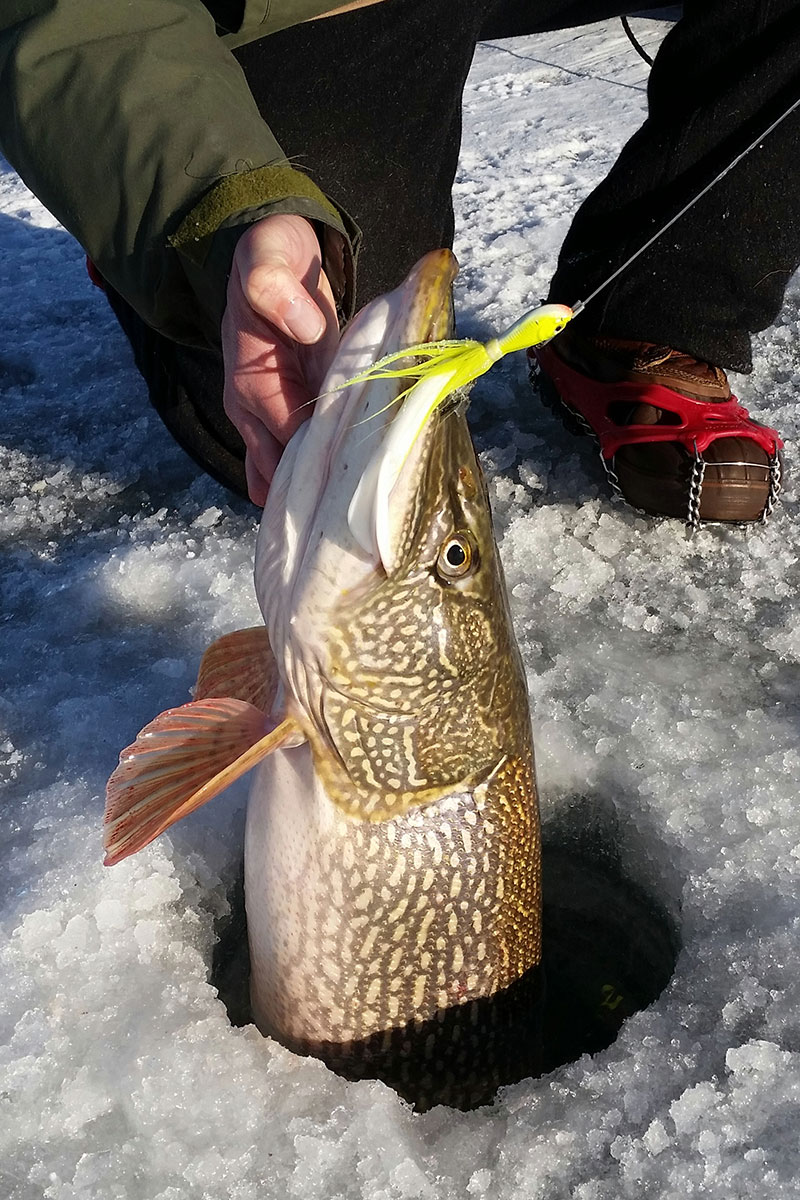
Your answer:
<point x="291" y="899"/>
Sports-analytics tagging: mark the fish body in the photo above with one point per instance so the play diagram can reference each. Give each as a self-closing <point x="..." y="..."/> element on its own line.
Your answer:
<point x="391" y="860"/>
<point x="392" y="853"/>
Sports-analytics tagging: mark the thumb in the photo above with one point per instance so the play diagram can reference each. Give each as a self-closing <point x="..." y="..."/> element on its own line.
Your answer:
<point x="276" y="294"/>
<point x="269" y="264"/>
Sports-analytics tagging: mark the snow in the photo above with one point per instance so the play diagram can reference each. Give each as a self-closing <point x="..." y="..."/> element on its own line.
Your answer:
<point x="664" y="681"/>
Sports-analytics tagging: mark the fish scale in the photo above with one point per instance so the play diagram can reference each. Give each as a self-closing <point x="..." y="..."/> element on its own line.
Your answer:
<point x="446" y="890"/>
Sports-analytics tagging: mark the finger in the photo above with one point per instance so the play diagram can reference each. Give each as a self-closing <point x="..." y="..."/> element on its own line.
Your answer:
<point x="318" y="362"/>
<point x="276" y="294"/>
<point x="257" y="486"/>
<point x="263" y="452"/>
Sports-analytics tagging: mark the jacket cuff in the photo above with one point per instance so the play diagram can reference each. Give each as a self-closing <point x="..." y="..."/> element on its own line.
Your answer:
<point x="206" y="239"/>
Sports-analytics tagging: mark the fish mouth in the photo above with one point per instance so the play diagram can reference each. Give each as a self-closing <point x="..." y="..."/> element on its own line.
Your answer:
<point x="379" y="508"/>
<point x="430" y="281"/>
<point x="329" y="497"/>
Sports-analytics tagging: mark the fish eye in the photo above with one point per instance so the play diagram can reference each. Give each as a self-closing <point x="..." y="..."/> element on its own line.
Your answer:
<point x="458" y="556"/>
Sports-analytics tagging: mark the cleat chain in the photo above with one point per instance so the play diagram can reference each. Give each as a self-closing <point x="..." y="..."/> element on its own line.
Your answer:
<point x="580" y="420"/>
<point x="775" y="485"/>
<point x="696" y="491"/>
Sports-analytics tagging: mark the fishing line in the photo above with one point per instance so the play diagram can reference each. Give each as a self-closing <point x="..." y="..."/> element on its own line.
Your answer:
<point x="634" y="41"/>
<point x="451" y="365"/>
<point x="581" y="305"/>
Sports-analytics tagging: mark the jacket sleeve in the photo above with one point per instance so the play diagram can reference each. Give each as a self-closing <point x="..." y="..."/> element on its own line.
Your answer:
<point x="133" y="123"/>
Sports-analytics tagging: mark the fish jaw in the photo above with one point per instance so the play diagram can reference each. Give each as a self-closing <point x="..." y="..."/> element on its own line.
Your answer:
<point x="307" y="556"/>
<point x="380" y="654"/>
<point x="423" y="687"/>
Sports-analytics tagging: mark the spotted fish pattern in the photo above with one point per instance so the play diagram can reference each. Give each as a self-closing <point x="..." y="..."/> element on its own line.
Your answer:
<point x="408" y="947"/>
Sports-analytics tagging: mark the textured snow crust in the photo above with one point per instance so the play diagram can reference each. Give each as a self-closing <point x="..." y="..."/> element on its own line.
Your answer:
<point x="664" y="684"/>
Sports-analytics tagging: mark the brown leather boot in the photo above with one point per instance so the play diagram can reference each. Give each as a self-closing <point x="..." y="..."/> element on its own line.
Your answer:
<point x="674" y="441"/>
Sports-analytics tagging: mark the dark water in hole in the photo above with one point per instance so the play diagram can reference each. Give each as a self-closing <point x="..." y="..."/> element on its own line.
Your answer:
<point x="609" y="951"/>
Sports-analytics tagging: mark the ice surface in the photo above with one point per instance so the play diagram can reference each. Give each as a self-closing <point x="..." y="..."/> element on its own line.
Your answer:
<point x="664" y="679"/>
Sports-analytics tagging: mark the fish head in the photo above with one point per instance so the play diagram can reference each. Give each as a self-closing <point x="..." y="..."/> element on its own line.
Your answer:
<point x="379" y="579"/>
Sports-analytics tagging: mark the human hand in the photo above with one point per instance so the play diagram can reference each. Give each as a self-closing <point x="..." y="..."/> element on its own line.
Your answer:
<point x="279" y="336"/>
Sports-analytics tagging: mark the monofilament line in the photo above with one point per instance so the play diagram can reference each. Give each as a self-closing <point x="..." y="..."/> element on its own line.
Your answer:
<point x="579" y="307"/>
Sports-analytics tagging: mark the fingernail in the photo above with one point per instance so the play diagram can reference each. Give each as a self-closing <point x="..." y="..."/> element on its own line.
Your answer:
<point x="304" y="322"/>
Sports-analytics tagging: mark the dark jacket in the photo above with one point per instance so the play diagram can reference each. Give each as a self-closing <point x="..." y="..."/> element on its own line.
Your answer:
<point x="132" y="122"/>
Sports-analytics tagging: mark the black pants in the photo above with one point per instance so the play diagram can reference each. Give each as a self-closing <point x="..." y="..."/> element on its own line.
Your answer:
<point x="375" y="116"/>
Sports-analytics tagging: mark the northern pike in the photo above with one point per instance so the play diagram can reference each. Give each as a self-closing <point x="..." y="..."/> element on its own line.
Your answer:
<point x="392" y="850"/>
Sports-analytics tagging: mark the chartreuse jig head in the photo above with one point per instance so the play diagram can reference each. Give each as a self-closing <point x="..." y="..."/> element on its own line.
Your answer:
<point x="458" y="362"/>
<point x="441" y="368"/>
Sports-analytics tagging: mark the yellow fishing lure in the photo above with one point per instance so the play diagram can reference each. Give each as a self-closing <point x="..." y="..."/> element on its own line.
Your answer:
<point x="458" y="362"/>
<point x="441" y="369"/>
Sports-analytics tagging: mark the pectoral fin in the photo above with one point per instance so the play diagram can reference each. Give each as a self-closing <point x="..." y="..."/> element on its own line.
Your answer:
<point x="241" y="666"/>
<point x="182" y="759"/>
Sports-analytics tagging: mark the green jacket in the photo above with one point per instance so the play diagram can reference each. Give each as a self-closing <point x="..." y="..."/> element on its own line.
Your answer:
<point x="132" y="122"/>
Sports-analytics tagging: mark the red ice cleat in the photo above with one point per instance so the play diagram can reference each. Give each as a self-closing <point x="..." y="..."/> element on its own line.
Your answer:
<point x="673" y="440"/>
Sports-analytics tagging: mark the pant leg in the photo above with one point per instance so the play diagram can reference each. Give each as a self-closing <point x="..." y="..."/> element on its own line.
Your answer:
<point x="185" y="388"/>
<point x="514" y="18"/>
<point x="370" y="103"/>
<point x="725" y="71"/>
<point x="375" y="110"/>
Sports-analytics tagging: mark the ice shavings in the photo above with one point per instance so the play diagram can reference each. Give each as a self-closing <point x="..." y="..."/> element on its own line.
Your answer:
<point x="664" y="679"/>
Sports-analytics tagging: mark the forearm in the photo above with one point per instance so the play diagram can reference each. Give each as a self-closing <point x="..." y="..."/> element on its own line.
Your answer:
<point x="134" y="125"/>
